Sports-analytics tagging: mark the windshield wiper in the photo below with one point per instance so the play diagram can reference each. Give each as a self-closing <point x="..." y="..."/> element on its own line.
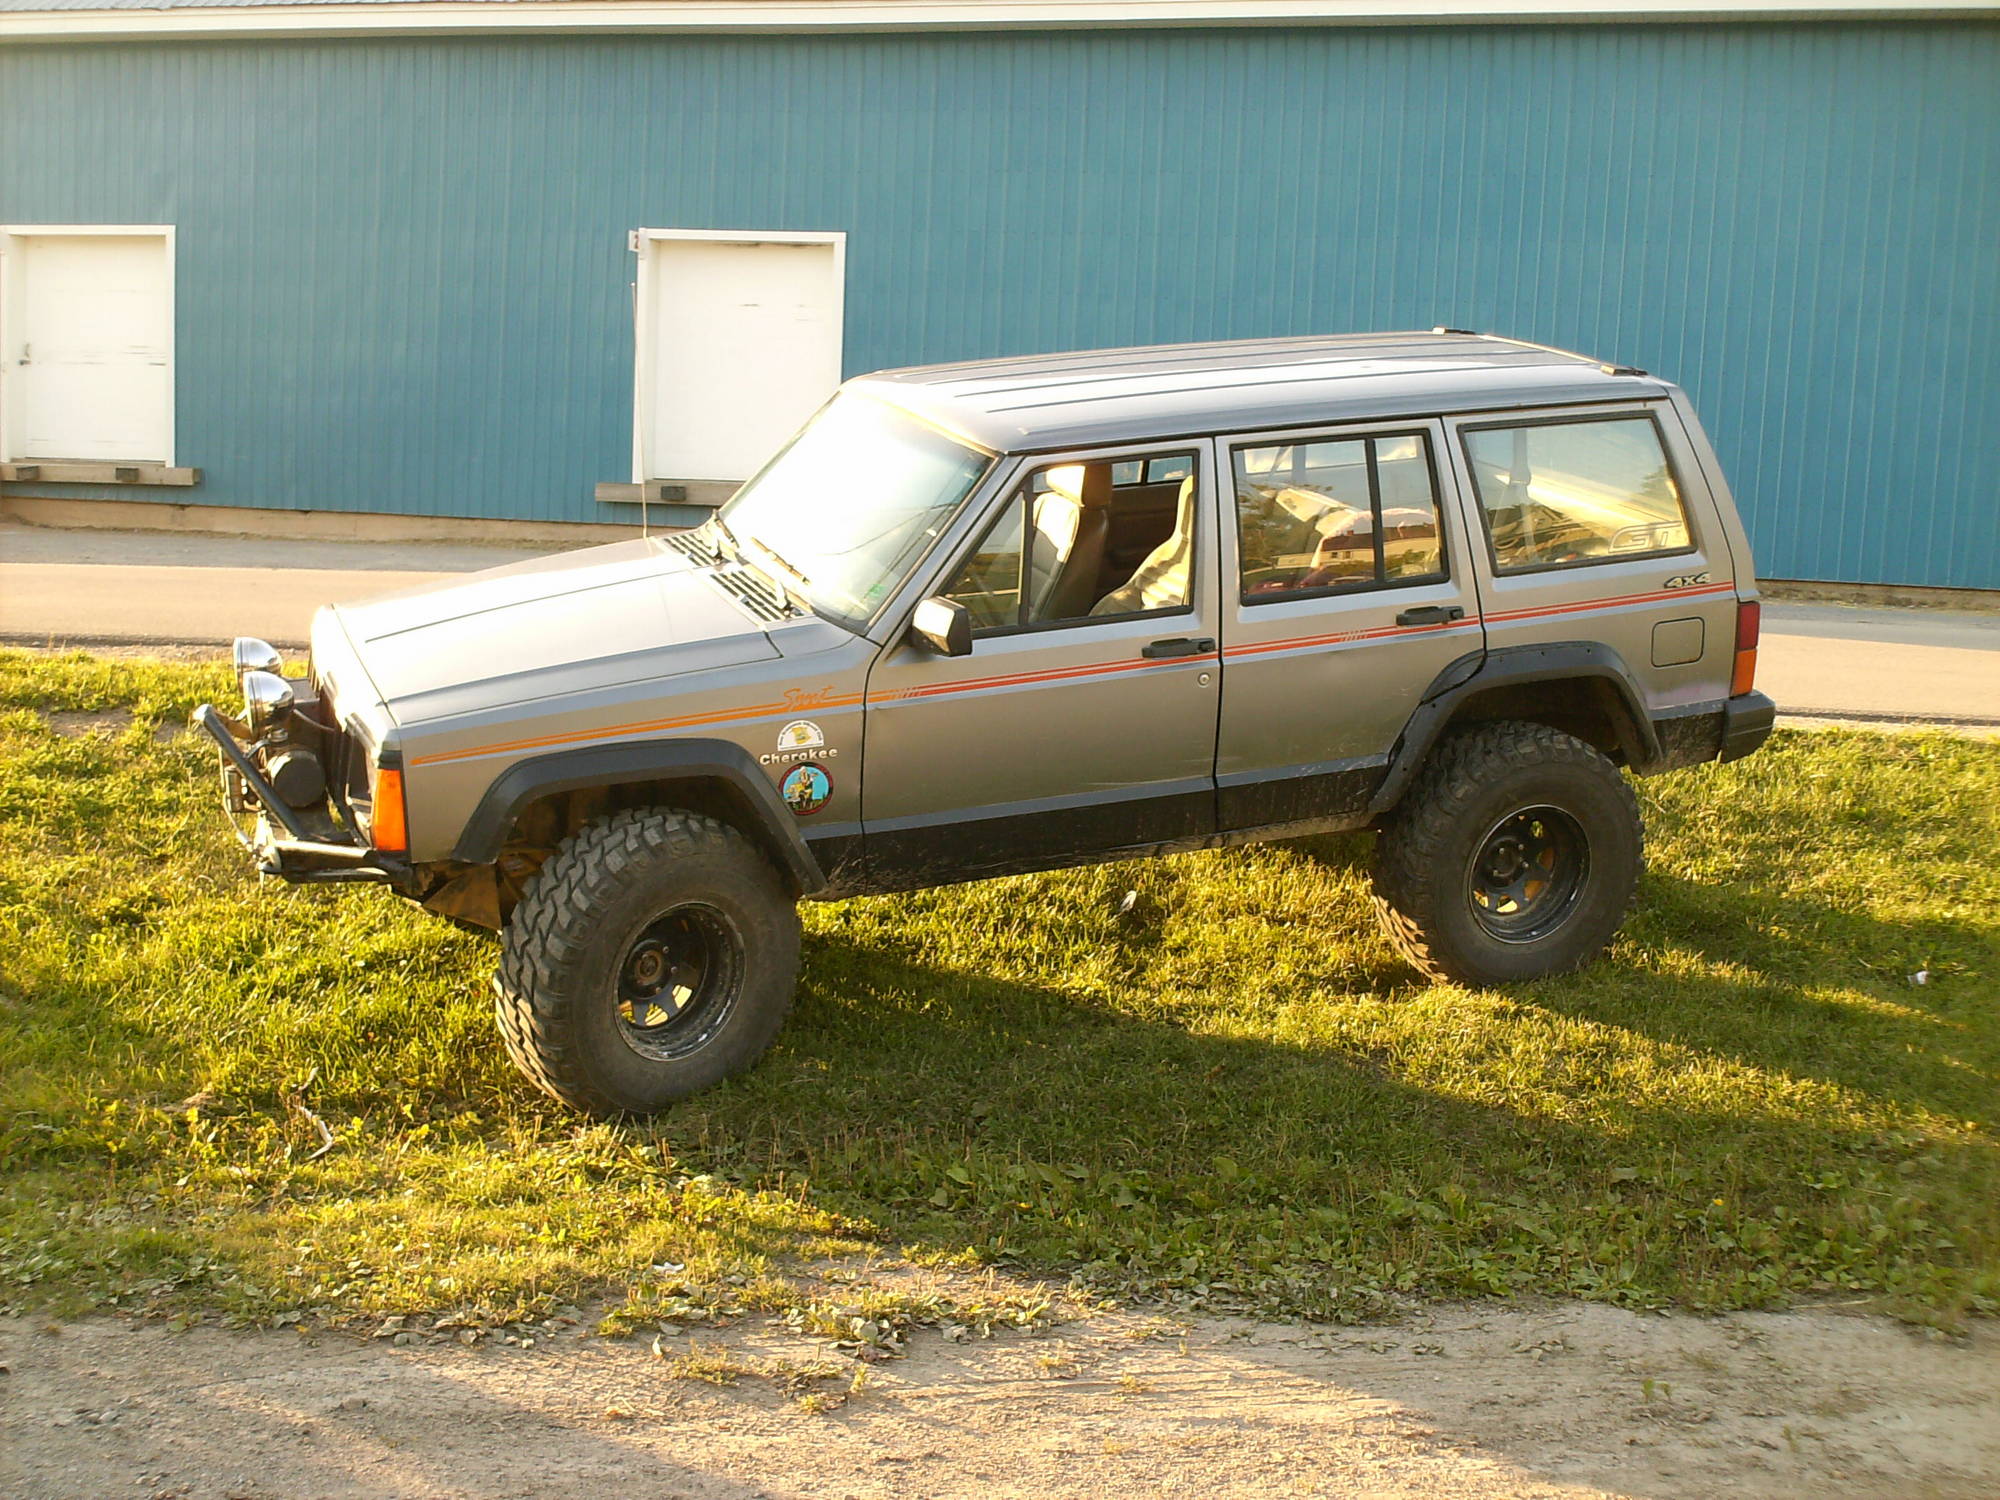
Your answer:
<point x="727" y="548"/>
<point x="785" y="575"/>
<point x="729" y="551"/>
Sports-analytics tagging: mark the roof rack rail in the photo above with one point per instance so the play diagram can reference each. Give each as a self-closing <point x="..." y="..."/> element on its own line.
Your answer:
<point x="1622" y="370"/>
<point x="1468" y="332"/>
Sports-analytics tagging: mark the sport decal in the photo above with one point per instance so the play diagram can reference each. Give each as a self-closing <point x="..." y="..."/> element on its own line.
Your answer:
<point x="805" y="790"/>
<point x="805" y="700"/>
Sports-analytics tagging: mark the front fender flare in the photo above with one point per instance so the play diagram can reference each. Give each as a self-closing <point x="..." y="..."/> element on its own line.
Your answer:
<point x="626" y="763"/>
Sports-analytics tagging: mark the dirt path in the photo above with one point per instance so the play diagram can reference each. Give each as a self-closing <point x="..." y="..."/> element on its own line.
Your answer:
<point x="1473" y="1401"/>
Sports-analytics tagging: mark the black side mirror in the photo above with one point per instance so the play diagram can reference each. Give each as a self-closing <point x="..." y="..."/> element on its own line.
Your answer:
<point x="943" y="626"/>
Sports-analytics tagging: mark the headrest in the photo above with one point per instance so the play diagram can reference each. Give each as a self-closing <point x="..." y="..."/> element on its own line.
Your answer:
<point x="1089" y="485"/>
<point x="1065" y="480"/>
<point x="1096" y="486"/>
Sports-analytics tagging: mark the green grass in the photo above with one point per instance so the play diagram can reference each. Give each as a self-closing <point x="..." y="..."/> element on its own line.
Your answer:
<point x="1234" y="1096"/>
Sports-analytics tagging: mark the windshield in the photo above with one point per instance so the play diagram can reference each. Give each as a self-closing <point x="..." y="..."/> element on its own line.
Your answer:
<point x="852" y="501"/>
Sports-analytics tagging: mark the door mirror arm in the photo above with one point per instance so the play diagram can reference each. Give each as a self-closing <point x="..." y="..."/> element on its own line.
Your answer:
<point x="942" y="626"/>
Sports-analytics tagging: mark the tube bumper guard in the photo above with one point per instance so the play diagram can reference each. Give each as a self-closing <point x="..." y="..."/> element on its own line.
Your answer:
<point x="297" y="856"/>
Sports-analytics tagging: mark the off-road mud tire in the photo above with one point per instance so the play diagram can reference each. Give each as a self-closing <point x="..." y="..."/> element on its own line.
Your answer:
<point x="555" y="995"/>
<point x="1473" y="780"/>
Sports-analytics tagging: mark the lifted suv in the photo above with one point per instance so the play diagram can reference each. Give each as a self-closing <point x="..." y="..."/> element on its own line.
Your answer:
<point x="986" y="618"/>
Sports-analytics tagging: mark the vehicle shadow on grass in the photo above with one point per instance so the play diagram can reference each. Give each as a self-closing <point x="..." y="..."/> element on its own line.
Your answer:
<point x="968" y="1112"/>
<point x="1451" y="1146"/>
<point x="1341" y="853"/>
<point x="912" y="1058"/>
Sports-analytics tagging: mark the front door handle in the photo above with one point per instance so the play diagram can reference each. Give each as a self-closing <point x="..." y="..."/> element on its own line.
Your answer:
<point x="1180" y="645"/>
<point x="1431" y="614"/>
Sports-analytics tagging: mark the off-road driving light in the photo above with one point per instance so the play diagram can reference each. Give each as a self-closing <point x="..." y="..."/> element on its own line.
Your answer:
<point x="267" y="698"/>
<point x="386" y="829"/>
<point x="253" y="655"/>
<point x="1749" y="615"/>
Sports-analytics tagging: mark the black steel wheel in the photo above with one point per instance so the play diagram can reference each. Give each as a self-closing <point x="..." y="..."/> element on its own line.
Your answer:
<point x="1527" y="873"/>
<point x="1514" y="854"/>
<point x="678" y="982"/>
<point x="652" y="956"/>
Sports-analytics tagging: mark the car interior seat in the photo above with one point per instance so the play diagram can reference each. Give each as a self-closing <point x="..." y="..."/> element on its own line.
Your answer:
<point x="1161" y="581"/>
<point x="1072" y="520"/>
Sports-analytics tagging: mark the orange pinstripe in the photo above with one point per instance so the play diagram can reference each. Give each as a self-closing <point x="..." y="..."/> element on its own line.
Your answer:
<point x="1051" y="674"/>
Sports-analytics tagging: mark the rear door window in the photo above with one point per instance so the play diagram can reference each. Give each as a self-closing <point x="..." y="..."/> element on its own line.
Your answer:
<point x="1569" y="493"/>
<point x="1336" y="515"/>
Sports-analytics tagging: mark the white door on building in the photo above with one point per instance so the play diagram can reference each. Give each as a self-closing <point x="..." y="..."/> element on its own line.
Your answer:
<point x="739" y="342"/>
<point x="87" y="345"/>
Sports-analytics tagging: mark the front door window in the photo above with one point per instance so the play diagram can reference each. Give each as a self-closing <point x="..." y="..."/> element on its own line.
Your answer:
<point x="1082" y="541"/>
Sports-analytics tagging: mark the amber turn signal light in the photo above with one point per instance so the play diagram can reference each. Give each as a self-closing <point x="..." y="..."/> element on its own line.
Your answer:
<point x="1749" y="618"/>
<point x="386" y="829"/>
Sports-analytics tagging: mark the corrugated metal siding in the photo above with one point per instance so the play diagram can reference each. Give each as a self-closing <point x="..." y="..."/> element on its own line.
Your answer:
<point x="404" y="282"/>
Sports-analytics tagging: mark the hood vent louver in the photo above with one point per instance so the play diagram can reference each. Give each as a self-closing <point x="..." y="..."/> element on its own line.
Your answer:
<point x="689" y="544"/>
<point x="744" y="584"/>
<point x="754" y="592"/>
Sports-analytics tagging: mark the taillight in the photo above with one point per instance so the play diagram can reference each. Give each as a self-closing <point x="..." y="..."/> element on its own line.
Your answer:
<point x="386" y="828"/>
<point x="1749" y="616"/>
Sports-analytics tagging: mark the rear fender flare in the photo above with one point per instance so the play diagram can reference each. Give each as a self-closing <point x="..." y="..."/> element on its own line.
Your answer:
<point x="631" y="763"/>
<point x="1511" y="666"/>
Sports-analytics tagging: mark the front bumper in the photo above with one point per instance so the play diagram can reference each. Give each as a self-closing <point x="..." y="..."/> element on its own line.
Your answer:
<point x="1746" y="724"/>
<point x="302" y="847"/>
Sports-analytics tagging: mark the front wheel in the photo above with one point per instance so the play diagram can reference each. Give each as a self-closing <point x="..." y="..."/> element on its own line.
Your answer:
<point x="1514" y="854"/>
<point x="653" y="956"/>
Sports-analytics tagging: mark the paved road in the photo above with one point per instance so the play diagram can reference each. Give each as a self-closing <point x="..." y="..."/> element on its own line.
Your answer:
<point x="1822" y="660"/>
<point x="140" y="587"/>
<point x="1835" y="660"/>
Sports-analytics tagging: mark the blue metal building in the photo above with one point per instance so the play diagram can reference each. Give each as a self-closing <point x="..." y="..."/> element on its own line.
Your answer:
<point x="399" y="240"/>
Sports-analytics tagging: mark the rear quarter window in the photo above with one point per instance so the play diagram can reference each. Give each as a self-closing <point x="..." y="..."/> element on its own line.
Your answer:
<point x="1570" y="493"/>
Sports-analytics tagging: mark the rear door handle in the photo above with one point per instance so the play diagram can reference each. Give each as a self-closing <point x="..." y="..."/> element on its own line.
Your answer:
<point x="1431" y="614"/>
<point x="1180" y="645"/>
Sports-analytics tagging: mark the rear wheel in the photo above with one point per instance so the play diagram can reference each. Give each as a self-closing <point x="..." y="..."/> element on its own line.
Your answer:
<point x="653" y="956"/>
<point x="1515" y="854"/>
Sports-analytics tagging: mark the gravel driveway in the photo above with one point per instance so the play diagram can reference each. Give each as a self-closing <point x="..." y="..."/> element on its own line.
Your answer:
<point x="1483" y="1400"/>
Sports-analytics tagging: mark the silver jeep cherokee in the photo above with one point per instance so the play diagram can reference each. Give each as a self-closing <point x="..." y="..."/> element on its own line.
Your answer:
<point x="986" y="618"/>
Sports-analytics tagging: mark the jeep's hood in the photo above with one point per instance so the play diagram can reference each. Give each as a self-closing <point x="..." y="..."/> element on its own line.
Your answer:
<point x="627" y="612"/>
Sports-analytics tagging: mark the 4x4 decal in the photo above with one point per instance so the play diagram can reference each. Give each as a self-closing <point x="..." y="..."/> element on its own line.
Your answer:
<point x="1687" y="580"/>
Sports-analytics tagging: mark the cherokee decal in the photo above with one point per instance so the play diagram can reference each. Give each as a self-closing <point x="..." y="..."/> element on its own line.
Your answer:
<point x="799" y="740"/>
